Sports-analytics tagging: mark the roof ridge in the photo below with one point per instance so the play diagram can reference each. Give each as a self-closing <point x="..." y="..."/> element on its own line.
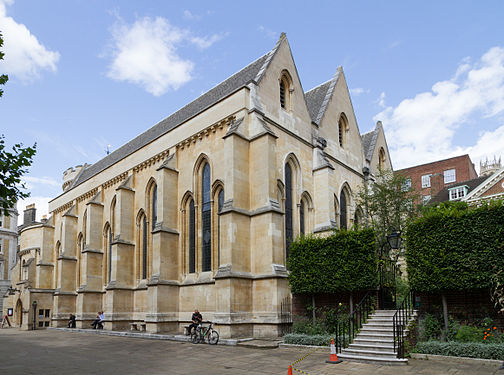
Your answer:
<point x="327" y="97"/>
<point x="269" y="57"/>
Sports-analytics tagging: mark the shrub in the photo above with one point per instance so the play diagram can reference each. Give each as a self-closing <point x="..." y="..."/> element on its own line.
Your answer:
<point x="430" y="328"/>
<point x="461" y="349"/>
<point x="343" y="261"/>
<point x="306" y="327"/>
<point x="302" y="339"/>
<point x="468" y="334"/>
<point x="454" y="248"/>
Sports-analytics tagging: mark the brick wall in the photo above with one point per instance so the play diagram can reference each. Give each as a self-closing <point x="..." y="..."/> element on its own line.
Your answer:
<point x="300" y="302"/>
<point x="465" y="306"/>
<point x="464" y="170"/>
<point x="497" y="188"/>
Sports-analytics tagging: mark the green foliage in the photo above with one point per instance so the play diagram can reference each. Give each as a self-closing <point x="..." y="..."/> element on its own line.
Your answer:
<point x="305" y="326"/>
<point x="453" y="247"/>
<point x="13" y="165"/>
<point x="389" y="205"/>
<point x="430" y="328"/>
<point x="3" y="78"/>
<point x="344" y="261"/>
<point x="302" y="339"/>
<point x="461" y="349"/>
<point x="468" y="334"/>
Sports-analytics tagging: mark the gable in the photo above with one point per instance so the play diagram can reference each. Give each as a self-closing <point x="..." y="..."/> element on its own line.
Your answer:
<point x="491" y="187"/>
<point x="295" y="117"/>
<point x="337" y="103"/>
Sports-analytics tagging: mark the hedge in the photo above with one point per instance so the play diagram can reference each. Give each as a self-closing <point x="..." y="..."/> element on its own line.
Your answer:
<point x="344" y="261"/>
<point x="452" y="248"/>
<point x="302" y="339"/>
<point x="461" y="349"/>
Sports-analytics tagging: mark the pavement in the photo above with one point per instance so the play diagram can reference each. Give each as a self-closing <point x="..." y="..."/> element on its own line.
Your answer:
<point x="59" y="352"/>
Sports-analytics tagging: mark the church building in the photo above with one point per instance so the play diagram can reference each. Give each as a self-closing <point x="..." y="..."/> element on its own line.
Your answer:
<point x="199" y="210"/>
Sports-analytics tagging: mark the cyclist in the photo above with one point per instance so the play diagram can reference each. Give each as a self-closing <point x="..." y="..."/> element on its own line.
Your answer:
<point x="196" y="320"/>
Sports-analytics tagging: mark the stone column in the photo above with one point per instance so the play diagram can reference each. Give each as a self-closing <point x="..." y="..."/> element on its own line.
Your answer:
<point x="89" y="299"/>
<point x="163" y="289"/>
<point x="119" y="296"/>
<point x="323" y="194"/>
<point x="65" y="294"/>
<point x="233" y="281"/>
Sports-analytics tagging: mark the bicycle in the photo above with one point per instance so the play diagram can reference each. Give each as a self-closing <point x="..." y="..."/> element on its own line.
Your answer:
<point x="200" y="333"/>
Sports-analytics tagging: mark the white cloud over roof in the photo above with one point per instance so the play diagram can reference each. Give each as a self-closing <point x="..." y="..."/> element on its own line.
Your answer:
<point x="424" y="128"/>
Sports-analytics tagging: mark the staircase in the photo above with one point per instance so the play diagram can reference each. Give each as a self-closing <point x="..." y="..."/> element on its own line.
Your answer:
<point x="375" y="341"/>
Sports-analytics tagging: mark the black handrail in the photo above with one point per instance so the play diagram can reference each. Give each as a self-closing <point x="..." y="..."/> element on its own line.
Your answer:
<point x="401" y="320"/>
<point x="347" y="330"/>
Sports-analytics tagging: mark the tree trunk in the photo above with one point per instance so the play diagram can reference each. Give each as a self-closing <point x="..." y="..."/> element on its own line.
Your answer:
<point x="351" y="303"/>
<point x="445" y="315"/>
<point x="313" y="308"/>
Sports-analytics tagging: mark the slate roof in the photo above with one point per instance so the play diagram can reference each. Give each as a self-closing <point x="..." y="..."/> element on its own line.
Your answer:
<point x="318" y="98"/>
<point x="369" y="142"/>
<point x="251" y="73"/>
<point x="443" y="196"/>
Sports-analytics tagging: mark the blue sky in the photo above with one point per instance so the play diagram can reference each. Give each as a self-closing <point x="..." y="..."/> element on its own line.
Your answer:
<point x="84" y="74"/>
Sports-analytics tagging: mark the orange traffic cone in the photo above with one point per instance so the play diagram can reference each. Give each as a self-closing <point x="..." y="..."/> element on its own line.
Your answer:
<point x="333" y="358"/>
<point x="289" y="372"/>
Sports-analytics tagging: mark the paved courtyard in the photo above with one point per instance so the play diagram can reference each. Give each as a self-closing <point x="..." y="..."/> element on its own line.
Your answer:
<point x="56" y="352"/>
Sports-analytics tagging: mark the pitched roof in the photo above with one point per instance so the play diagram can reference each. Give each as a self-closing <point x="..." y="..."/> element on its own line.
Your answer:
<point x="318" y="98"/>
<point x="369" y="141"/>
<point x="251" y="73"/>
<point x="443" y="195"/>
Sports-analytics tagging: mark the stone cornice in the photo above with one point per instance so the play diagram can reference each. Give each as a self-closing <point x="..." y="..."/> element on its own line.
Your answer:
<point x="205" y="132"/>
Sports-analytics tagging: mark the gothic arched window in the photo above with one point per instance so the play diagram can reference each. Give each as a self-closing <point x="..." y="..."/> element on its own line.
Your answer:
<point x="154" y="205"/>
<point x="206" y="219"/>
<point x="145" y="239"/>
<point x="288" y="209"/>
<point x="192" y="237"/>
<point x="302" y="217"/>
<point x="220" y="204"/>
<point x="343" y="211"/>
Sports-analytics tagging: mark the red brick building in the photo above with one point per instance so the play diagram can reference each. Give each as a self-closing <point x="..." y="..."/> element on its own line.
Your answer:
<point x="429" y="179"/>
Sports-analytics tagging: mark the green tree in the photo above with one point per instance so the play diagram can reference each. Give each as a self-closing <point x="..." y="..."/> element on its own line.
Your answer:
<point x="13" y="164"/>
<point x="3" y="78"/>
<point x="390" y="203"/>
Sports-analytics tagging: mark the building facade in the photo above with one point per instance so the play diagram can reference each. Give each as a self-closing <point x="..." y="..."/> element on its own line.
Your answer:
<point x="199" y="210"/>
<point x="8" y="249"/>
<point x="429" y="179"/>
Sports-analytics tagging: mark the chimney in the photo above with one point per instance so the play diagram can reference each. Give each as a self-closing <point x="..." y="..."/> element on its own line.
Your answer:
<point x="437" y="183"/>
<point x="29" y="214"/>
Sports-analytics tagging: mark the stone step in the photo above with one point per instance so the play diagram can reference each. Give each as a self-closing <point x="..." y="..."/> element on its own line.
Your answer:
<point x="375" y="336"/>
<point x="372" y="359"/>
<point x="374" y="341"/>
<point x="366" y="330"/>
<point x="370" y="353"/>
<point x="378" y="326"/>
<point x="389" y="347"/>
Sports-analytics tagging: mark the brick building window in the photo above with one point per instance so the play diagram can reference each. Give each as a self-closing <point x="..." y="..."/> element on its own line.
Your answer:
<point x="426" y="199"/>
<point x="426" y="180"/>
<point x="406" y="185"/>
<point x="449" y="176"/>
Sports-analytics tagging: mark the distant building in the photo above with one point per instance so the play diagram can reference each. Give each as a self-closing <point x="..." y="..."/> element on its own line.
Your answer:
<point x="488" y="168"/>
<point x="8" y="249"/>
<point x="429" y="179"/>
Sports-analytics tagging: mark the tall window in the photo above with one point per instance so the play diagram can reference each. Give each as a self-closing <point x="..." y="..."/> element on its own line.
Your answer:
<point x="219" y="208"/>
<point x="426" y="180"/>
<point x="154" y="206"/>
<point x="343" y="211"/>
<point x="109" y="263"/>
<point x="449" y="176"/>
<point x="342" y="129"/>
<point x="302" y="217"/>
<point x="282" y="93"/>
<point x="192" y="237"/>
<point x="381" y="158"/>
<point x="145" y="228"/>
<point x="288" y="209"/>
<point x="206" y="219"/>
<point x="285" y="90"/>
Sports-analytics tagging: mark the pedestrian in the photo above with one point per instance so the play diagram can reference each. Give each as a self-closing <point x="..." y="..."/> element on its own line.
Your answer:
<point x="71" y="321"/>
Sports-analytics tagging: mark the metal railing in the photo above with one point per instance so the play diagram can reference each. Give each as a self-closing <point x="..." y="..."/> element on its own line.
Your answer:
<point x="401" y="320"/>
<point x="285" y="316"/>
<point x="348" y="329"/>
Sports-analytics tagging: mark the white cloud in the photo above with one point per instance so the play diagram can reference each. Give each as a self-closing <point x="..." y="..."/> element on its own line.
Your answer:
<point x="41" y="204"/>
<point x="145" y="53"/>
<point x="269" y="33"/>
<point x="381" y="100"/>
<point x="190" y="16"/>
<point x="44" y="181"/>
<point x="359" y="91"/>
<point x="423" y="128"/>
<point x="25" y="57"/>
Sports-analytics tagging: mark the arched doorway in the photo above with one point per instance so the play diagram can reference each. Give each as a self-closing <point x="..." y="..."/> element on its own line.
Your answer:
<point x="19" y="313"/>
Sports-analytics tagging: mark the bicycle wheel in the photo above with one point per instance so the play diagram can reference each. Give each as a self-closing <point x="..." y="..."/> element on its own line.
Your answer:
<point x="196" y="336"/>
<point x="213" y="337"/>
